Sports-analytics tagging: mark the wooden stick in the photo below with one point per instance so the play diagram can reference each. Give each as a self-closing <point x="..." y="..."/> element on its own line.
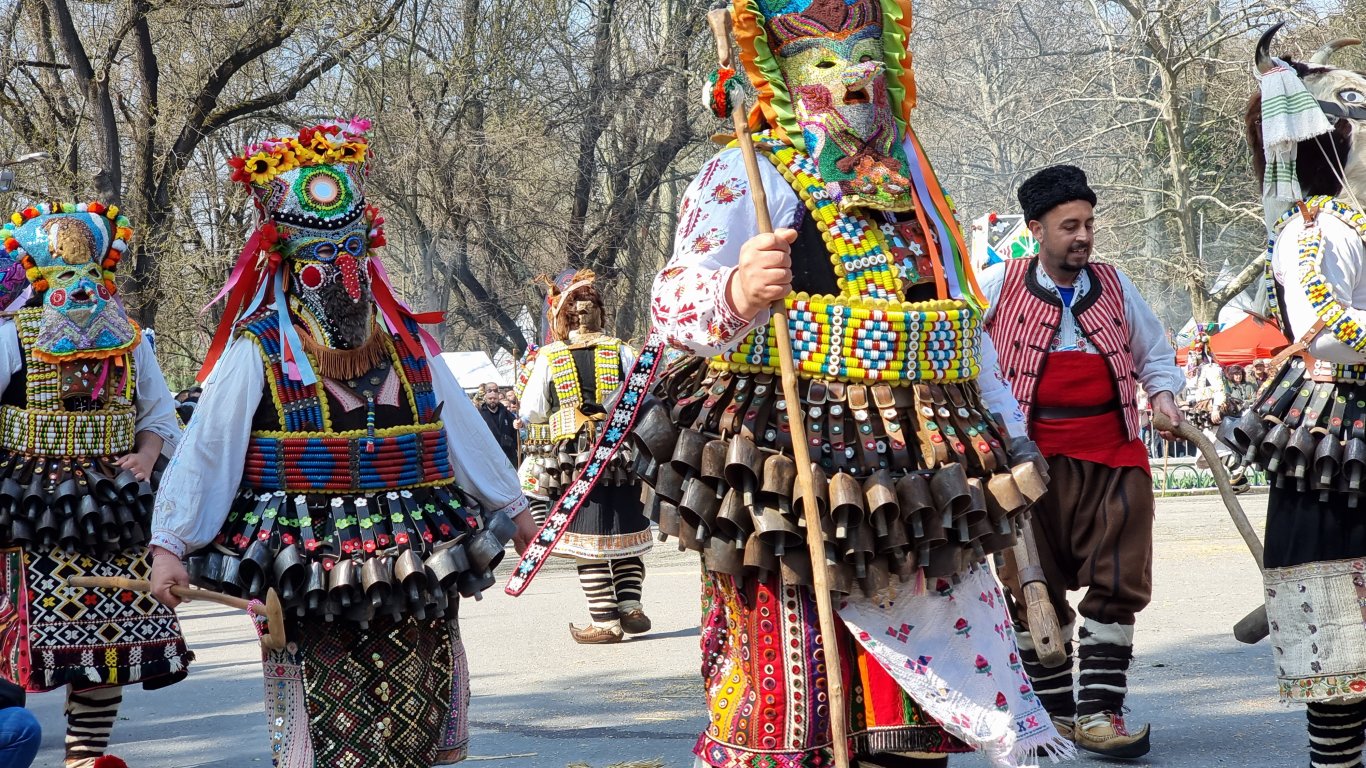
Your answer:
<point x="719" y="21"/>
<point x="273" y="638"/>
<point x="1254" y="626"/>
<point x="1042" y="620"/>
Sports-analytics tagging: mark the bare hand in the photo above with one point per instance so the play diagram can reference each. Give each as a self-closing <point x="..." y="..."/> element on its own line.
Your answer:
<point x="526" y="531"/>
<point x="1164" y="403"/>
<point x="167" y="572"/>
<point x="764" y="274"/>
<point x="137" y="463"/>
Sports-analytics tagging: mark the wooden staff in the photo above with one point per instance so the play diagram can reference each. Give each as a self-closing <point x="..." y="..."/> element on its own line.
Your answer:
<point x="1254" y="626"/>
<point x="719" y="21"/>
<point x="273" y="638"/>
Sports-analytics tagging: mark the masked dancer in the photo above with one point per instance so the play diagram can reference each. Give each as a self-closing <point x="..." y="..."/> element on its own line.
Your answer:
<point x="84" y="417"/>
<point x="334" y="458"/>
<point x="572" y="380"/>
<point x="900" y="402"/>
<point x="1307" y="425"/>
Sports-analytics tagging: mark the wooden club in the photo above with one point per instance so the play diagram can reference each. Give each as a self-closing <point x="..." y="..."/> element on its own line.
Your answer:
<point x="273" y="638"/>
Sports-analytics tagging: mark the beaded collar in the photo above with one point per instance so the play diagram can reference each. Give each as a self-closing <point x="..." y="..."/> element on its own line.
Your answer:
<point x="1309" y="266"/>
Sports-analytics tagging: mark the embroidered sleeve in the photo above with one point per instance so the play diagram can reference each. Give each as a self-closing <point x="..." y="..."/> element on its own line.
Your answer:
<point x="535" y="407"/>
<point x="689" y="304"/>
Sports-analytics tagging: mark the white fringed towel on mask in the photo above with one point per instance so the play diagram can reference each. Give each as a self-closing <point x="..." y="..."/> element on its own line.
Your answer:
<point x="952" y="649"/>
<point x="1290" y="114"/>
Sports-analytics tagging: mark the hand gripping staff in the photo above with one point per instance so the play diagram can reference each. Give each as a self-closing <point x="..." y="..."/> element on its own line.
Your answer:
<point x="272" y="637"/>
<point x="1254" y="626"/>
<point x="719" y="20"/>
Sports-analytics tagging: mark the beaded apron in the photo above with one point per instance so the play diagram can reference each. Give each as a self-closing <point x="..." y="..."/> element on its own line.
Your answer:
<point x="71" y="511"/>
<point x="350" y="523"/>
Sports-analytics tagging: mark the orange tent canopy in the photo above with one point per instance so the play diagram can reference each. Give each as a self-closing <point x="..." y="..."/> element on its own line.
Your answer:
<point x="1246" y="340"/>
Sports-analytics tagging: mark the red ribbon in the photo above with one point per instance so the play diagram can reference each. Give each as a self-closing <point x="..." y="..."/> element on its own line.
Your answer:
<point x="241" y="287"/>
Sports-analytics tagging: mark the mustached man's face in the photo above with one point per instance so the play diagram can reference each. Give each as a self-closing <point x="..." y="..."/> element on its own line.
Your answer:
<point x="1066" y="236"/>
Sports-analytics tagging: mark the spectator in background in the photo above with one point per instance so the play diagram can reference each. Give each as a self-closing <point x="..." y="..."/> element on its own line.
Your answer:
<point x="502" y="422"/>
<point x="1259" y="373"/>
<point x="19" y="731"/>
<point x="185" y="402"/>
<point x="1238" y="393"/>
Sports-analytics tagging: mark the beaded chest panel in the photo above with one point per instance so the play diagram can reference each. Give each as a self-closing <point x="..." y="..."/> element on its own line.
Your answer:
<point x="100" y="394"/>
<point x="868" y="332"/>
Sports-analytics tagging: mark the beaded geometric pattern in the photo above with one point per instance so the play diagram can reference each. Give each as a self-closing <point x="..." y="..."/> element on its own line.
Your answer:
<point x="377" y="698"/>
<point x="867" y="333"/>
<point x="564" y="377"/>
<point x="44" y="428"/>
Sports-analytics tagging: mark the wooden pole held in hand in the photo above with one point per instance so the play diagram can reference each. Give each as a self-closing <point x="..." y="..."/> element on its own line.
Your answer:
<point x="273" y="638"/>
<point x="1254" y="626"/>
<point x="719" y="21"/>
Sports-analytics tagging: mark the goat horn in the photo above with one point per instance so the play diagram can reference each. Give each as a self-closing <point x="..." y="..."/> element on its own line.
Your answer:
<point x="1322" y="55"/>
<point x="1264" y="63"/>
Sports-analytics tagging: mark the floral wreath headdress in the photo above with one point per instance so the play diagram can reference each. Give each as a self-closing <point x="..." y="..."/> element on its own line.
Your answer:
<point x="303" y="187"/>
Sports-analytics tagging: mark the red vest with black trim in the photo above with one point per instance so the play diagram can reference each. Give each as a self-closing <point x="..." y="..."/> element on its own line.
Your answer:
<point x="1027" y="320"/>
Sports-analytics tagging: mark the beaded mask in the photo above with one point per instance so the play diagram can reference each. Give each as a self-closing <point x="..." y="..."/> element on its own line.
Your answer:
<point x="69" y="252"/>
<point x="824" y="65"/>
<point x="314" y="246"/>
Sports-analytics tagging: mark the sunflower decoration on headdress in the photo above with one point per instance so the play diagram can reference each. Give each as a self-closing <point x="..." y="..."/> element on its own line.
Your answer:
<point x="68" y="252"/>
<point x="315" y="229"/>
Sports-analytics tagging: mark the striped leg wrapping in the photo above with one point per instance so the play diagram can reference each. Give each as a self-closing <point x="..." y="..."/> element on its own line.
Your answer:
<point x="1104" y="667"/>
<point x="628" y="579"/>
<point x="1337" y="733"/>
<point x="1052" y="686"/>
<point x="90" y="717"/>
<point x="595" y="576"/>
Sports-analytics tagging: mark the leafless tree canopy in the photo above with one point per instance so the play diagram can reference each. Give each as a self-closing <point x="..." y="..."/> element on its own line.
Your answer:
<point x="514" y="139"/>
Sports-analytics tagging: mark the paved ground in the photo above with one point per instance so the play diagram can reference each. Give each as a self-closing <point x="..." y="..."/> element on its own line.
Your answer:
<point x="542" y="702"/>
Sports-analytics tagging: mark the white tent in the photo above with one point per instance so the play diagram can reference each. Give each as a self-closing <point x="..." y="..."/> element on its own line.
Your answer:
<point x="474" y="369"/>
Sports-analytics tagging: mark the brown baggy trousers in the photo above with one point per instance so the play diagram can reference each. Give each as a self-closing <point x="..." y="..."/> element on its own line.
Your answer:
<point x="1094" y="530"/>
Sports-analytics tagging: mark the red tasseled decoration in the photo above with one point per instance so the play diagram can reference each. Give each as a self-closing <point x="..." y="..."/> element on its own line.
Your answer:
<point x="109" y="761"/>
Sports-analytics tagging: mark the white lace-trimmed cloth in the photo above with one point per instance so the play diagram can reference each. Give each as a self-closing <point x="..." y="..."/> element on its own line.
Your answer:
<point x="952" y="649"/>
<point x="1290" y="114"/>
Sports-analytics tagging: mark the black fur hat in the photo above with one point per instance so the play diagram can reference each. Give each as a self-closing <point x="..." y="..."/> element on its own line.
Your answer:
<point x="1050" y="188"/>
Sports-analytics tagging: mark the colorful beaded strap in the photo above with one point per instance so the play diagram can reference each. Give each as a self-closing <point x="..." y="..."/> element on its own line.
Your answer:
<point x="1309" y="264"/>
<point x="53" y="433"/>
<point x="394" y="459"/>
<point x="862" y="340"/>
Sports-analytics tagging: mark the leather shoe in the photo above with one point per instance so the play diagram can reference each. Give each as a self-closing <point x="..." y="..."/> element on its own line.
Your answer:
<point x="1105" y="734"/>
<point x="595" y="635"/>
<point x="635" y="622"/>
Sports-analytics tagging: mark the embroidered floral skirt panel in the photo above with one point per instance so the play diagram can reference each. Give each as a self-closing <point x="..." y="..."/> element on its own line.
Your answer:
<point x="52" y="635"/>
<point x="394" y="695"/>
<point x="765" y="683"/>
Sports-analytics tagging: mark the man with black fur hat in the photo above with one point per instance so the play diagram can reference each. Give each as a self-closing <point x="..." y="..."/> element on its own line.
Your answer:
<point x="1075" y="340"/>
